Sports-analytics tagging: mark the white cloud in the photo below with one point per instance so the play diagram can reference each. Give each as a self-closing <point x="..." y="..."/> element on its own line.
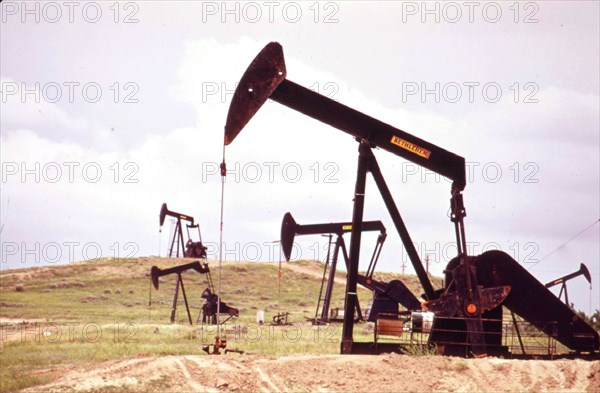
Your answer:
<point x="29" y="106"/>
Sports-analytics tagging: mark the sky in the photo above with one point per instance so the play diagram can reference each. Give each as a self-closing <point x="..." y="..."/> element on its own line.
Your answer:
<point x="109" y="109"/>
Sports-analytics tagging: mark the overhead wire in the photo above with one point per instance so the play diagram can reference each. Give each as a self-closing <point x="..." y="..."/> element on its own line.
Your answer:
<point x="567" y="242"/>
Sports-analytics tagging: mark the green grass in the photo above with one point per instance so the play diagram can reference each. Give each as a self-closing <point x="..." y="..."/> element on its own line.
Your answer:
<point x="79" y="291"/>
<point x="99" y="310"/>
<point x="30" y="353"/>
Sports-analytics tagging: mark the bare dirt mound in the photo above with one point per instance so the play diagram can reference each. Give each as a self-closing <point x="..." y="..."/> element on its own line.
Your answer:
<point x="330" y="373"/>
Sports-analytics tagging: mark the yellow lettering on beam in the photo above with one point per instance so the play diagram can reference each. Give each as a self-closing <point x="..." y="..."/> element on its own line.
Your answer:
<point x="411" y="147"/>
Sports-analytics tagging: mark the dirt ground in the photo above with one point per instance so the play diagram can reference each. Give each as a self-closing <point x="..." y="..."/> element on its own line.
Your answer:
<point x="328" y="373"/>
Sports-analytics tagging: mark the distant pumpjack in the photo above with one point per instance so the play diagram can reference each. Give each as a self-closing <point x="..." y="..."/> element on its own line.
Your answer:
<point x="156" y="273"/>
<point x="583" y="271"/>
<point x="190" y="249"/>
<point x="386" y="295"/>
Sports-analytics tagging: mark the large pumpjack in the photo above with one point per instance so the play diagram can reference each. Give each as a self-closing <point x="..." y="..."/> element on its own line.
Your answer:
<point x="386" y="295"/>
<point x="476" y="287"/>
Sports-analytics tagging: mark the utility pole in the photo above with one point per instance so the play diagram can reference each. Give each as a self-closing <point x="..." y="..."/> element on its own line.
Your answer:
<point x="279" y="274"/>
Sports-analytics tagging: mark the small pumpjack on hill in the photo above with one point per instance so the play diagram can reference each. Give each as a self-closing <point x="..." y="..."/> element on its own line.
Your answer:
<point x="386" y="295"/>
<point x="583" y="271"/>
<point x="208" y="312"/>
<point x="469" y="308"/>
<point x="190" y="249"/>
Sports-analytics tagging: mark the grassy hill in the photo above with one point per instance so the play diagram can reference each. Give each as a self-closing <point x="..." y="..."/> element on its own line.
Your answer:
<point x="56" y="316"/>
<point x="109" y="290"/>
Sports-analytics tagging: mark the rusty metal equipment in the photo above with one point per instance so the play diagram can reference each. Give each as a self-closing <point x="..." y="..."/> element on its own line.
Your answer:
<point x="386" y="295"/>
<point x="190" y="249"/>
<point x="156" y="273"/>
<point x="583" y="271"/>
<point x="218" y="345"/>
<point x="518" y="338"/>
<point x="281" y="319"/>
<point x="476" y="287"/>
<point x="212" y="306"/>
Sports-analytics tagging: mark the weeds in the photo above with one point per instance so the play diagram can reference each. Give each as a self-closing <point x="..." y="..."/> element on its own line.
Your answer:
<point x="419" y="349"/>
